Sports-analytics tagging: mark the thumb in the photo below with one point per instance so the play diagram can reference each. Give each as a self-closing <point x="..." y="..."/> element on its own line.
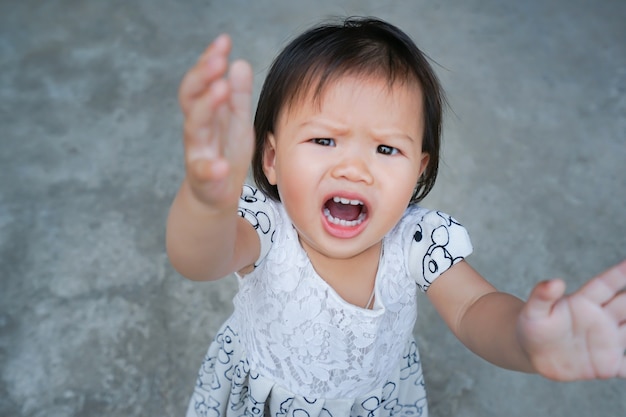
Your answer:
<point x="542" y="299"/>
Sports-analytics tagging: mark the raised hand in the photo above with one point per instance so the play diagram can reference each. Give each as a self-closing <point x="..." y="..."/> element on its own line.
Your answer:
<point x="215" y="98"/>
<point x="578" y="336"/>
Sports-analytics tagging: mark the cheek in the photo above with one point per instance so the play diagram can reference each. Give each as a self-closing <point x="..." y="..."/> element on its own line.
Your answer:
<point x="296" y="179"/>
<point x="298" y="199"/>
<point x="295" y="165"/>
<point x="399" y="190"/>
<point x="400" y="175"/>
<point x="286" y="177"/>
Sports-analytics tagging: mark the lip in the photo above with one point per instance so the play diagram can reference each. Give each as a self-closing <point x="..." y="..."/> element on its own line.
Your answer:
<point x="345" y="232"/>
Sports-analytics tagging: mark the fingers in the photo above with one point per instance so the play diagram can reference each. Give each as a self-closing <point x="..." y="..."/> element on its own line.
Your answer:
<point x="220" y="45"/>
<point x="622" y="330"/>
<point x="617" y="307"/>
<point x="209" y="96"/>
<point x="606" y="285"/>
<point x="211" y="66"/>
<point x="205" y="124"/>
<point x="240" y="80"/>
<point x="542" y="299"/>
<point x="215" y="98"/>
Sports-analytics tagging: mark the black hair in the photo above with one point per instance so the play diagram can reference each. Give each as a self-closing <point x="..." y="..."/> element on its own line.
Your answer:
<point x="354" y="46"/>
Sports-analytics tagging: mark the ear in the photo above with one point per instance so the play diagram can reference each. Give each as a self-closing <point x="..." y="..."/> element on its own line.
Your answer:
<point x="269" y="159"/>
<point x="424" y="163"/>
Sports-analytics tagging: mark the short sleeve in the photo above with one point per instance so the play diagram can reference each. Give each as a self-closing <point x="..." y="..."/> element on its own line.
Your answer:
<point x="257" y="209"/>
<point x="434" y="243"/>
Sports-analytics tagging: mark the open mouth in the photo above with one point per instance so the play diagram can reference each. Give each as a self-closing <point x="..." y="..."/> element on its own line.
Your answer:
<point x="345" y="212"/>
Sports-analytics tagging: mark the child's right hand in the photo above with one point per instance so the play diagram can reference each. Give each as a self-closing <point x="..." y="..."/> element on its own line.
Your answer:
<point x="215" y="98"/>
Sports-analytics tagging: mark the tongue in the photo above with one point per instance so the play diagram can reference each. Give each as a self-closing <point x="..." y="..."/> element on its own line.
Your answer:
<point x="343" y="211"/>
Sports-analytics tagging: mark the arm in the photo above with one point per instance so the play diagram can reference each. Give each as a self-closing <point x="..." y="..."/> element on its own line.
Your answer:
<point x="579" y="336"/>
<point x="206" y="239"/>
<point x="481" y="317"/>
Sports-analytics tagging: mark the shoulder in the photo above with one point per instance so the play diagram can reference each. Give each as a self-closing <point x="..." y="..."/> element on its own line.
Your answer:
<point x="433" y="242"/>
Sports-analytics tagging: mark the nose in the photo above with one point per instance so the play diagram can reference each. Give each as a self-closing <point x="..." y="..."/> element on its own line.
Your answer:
<point x="353" y="168"/>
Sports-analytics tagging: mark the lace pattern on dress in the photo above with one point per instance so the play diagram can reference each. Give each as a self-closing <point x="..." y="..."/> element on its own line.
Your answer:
<point x="228" y="386"/>
<point x="299" y="332"/>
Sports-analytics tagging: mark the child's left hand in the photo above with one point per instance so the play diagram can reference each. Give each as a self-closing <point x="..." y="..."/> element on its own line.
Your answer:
<point x="578" y="336"/>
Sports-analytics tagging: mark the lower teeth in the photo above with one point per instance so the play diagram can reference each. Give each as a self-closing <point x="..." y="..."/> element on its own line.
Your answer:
<point x="341" y="222"/>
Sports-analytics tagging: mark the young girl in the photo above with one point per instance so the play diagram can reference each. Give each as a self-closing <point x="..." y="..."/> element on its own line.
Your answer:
<point x="331" y="247"/>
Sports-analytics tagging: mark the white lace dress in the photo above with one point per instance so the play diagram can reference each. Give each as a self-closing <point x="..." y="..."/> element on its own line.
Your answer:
<point x="294" y="347"/>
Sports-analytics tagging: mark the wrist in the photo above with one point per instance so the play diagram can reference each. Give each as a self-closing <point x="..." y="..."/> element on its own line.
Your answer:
<point x="524" y="346"/>
<point x="201" y="207"/>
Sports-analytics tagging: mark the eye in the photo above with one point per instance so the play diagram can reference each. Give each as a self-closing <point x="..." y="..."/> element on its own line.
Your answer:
<point x="323" y="141"/>
<point x="387" y="150"/>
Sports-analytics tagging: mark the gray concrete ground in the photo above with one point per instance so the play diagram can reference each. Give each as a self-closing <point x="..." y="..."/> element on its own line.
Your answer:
<point x="94" y="321"/>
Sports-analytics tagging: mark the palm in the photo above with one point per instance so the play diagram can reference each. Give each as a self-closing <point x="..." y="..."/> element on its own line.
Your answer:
<point x="579" y="336"/>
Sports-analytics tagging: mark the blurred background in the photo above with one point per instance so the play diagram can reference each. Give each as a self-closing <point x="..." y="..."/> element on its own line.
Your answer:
<point x="94" y="321"/>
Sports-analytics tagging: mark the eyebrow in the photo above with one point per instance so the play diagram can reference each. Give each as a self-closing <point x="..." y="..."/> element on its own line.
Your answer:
<point x="382" y="134"/>
<point x="339" y="129"/>
<point x="336" y="128"/>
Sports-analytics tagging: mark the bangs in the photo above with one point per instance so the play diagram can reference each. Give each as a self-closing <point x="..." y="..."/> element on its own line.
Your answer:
<point x="314" y="67"/>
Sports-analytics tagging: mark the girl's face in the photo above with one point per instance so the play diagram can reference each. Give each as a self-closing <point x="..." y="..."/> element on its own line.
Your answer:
<point x="346" y="165"/>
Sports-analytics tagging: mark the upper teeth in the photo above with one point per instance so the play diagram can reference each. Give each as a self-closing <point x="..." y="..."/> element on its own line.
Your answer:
<point x="347" y="201"/>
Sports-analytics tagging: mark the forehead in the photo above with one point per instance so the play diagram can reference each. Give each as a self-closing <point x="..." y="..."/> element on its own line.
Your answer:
<point x="313" y="94"/>
<point x="356" y="105"/>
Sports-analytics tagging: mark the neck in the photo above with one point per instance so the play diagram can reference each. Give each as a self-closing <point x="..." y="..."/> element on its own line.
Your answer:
<point x="352" y="278"/>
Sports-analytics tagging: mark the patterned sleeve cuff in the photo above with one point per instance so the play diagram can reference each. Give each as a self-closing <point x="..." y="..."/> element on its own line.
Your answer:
<point x="437" y="243"/>
<point x="255" y="207"/>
